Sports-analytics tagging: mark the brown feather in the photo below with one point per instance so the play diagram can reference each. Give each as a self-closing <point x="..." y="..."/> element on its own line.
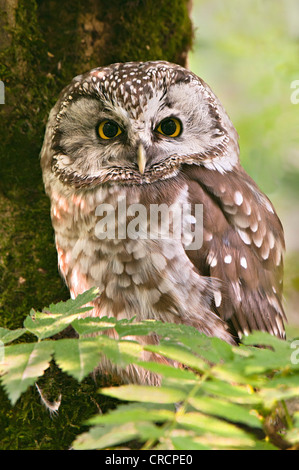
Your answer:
<point x="247" y="262"/>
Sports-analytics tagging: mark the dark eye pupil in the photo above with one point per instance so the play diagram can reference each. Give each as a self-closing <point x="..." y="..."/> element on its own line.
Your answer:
<point x="110" y="129"/>
<point x="168" y="127"/>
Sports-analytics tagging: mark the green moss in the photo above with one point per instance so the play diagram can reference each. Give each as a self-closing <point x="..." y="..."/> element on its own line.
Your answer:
<point x="65" y="44"/>
<point x="161" y="30"/>
<point x="28" y="271"/>
<point x="30" y="426"/>
<point x="98" y="32"/>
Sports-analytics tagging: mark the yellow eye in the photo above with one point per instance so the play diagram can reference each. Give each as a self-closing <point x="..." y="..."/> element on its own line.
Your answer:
<point x="171" y="127"/>
<point x="108" y="129"/>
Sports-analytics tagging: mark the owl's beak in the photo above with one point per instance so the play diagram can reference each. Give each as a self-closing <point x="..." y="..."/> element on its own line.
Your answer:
<point x="141" y="158"/>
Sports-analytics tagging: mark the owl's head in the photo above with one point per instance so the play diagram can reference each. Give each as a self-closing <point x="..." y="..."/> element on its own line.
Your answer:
<point x="134" y="123"/>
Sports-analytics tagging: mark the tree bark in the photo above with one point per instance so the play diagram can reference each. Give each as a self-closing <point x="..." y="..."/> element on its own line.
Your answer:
<point x="43" y="45"/>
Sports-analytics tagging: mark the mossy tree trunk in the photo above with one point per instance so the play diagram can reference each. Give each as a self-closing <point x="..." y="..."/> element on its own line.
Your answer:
<point x="43" y="44"/>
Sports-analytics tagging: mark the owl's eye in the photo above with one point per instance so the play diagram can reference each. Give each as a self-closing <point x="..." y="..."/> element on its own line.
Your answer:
<point x="108" y="129"/>
<point x="171" y="127"/>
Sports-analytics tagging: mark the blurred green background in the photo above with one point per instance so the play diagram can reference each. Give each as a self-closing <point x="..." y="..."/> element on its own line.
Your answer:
<point x="248" y="52"/>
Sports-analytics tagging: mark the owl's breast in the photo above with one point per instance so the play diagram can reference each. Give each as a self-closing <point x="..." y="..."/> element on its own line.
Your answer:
<point x="113" y="239"/>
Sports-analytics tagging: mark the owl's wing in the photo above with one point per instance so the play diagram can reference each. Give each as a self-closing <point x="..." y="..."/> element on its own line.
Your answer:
<point x="242" y="246"/>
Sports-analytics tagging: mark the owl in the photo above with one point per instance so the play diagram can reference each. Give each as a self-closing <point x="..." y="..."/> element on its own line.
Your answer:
<point x="136" y="138"/>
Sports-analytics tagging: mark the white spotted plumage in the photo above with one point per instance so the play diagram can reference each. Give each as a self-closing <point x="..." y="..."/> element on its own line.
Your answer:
<point x="229" y="286"/>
